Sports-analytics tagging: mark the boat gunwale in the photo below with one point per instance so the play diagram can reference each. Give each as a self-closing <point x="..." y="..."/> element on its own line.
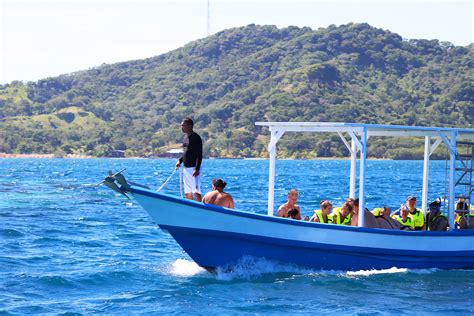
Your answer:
<point x="287" y="221"/>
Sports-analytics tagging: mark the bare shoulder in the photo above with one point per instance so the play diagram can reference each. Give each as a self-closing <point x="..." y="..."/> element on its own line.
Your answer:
<point x="282" y="210"/>
<point x="229" y="197"/>
<point x="208" y="197"/>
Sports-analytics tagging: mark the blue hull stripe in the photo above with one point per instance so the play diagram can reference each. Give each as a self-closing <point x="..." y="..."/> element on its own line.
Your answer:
<point x="211" y="249"/>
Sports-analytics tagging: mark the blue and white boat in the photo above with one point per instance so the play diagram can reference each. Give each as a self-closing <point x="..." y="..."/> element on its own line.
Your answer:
<point x="214" y="236"/>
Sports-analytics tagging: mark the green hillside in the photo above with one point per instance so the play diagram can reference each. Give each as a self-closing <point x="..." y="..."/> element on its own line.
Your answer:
<point x="226" y="82"/>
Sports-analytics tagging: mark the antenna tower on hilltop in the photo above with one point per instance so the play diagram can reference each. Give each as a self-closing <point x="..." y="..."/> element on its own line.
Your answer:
<point x="208" y="17"/>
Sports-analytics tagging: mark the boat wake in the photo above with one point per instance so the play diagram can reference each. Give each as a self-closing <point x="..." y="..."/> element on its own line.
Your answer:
<point x="375" y="272"/>
<point x="367" y="273"/>
<point x="249" y="268"/>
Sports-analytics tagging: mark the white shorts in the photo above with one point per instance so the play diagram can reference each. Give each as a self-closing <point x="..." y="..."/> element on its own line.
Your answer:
<point x="191" y="184"/>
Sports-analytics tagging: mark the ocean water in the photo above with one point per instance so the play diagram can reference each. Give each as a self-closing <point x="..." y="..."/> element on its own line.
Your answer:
<point x="69" y="247"/>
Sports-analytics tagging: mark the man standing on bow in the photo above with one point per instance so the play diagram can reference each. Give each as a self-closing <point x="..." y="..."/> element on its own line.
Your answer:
<point x="192" y="158"/>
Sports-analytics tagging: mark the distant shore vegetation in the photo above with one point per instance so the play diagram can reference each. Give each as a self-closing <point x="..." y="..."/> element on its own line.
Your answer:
<point x="228" y="81"/>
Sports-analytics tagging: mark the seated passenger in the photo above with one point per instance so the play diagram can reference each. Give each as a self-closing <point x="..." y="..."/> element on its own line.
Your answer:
<point x="369" y="218"/>
<point x="415" y="213"/>
<point x="436" y="221"/>
<point x="382" y="216"/>
<point x="406" y="222"/>
<point x="461" y="204"/>
<point x="290" y="204"/>
<point x="322" y="215"/>
<point x="464" y="220"/>
<point x="341" y="216"/>
<point x="217" y="196"/>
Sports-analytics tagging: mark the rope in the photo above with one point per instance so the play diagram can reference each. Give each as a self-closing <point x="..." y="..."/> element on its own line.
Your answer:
<point x="167" y="180"/>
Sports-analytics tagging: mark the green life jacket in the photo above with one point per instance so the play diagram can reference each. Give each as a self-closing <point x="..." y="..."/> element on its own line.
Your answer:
<point x="336" y="218"/>
<point x="471" y="217"/>
<point x="418" y="218"/>
<point x="319" y="214"/>
<point x="458" y="218"/>
<point x="432" y="222"/>
<point x="408" y="223"/>
<point x="437" y="216"/>
<point x="377" y="211"/>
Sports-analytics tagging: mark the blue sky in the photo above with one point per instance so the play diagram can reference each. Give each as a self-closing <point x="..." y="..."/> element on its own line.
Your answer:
<point x="44" y="38"/>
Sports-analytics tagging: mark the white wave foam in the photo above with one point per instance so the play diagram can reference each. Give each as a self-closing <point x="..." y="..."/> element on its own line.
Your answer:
<point x="185" y="268"/>
<point x="250" y="267"/>
<point x="374" y="272"/>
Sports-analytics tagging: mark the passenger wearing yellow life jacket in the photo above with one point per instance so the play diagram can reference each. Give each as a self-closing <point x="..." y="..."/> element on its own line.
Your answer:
<point x="343" y="215"/>
<point x="416" y="214"/>
<point x="406" y="222"/>
<point x="464" y="220"/>
<point x="323" y="215"/>
<point x="461" y="204"/>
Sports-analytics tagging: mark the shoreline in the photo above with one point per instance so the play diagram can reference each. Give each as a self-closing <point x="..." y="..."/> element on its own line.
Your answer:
<point x="42" y="156"/>
<point x="79" y="156"/>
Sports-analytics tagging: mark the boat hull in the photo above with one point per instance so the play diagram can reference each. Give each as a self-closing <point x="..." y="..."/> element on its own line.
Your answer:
<point x="215" y="237"/>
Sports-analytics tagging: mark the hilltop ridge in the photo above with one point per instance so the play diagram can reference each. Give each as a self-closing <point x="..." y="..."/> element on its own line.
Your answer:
<point x="227" y="81"/>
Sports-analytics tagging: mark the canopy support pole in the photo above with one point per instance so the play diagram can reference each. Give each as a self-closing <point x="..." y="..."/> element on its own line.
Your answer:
<point x="353" y="150"/>
<point x="352" y="184"/>
<point x="362" y="159"/>
<point x="426" y="172"/>
<point x="429" y="150"/>
<point x="275" y="136"/>
<point x="355" y="145"/>
<point x="452" y="166"/>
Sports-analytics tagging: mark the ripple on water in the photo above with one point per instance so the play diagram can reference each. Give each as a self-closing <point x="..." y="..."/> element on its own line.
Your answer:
<point x="11" y="233"/>
<point x="105" y="278"/>
<point x="55" y="281"/>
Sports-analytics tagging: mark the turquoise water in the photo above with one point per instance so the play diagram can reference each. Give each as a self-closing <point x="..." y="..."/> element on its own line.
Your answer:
<point x="68" y="247"/>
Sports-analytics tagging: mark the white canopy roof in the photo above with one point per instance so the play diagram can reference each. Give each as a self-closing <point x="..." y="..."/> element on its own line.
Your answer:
<point x="359" y="133"/>
<point x="372" y="129"/>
